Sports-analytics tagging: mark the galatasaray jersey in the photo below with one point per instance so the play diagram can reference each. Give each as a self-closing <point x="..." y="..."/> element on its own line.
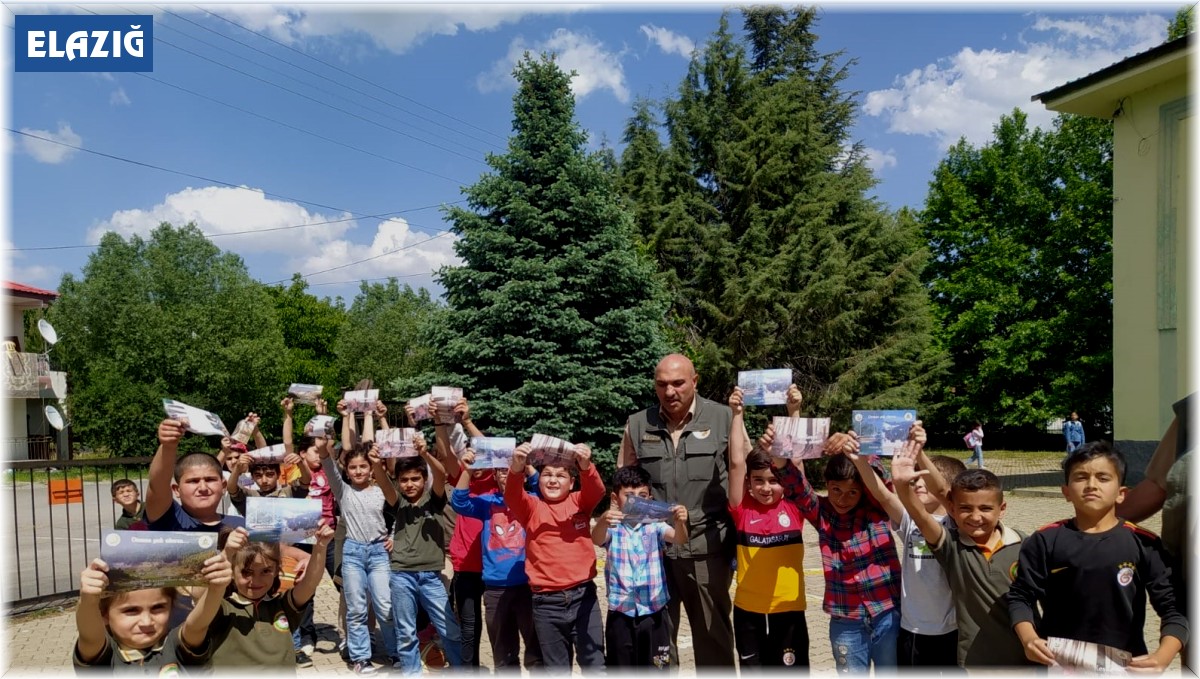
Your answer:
<point x="770" y="556"/>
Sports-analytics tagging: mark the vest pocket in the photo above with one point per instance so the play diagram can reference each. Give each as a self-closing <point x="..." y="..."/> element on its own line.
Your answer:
<point x="650" y="456"/>
<point x="698" y="459"/>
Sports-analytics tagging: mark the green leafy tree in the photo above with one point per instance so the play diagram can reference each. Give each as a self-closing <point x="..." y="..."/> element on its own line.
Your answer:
<point x="1021" y="277"/>
<point x="554" y="317"/>
<point x="310" y="327"/>
<point x="1183" y="23"/>
<point x="382" y="335"/>
<point x="774" y="253"/>
<point x="168" y="317"/>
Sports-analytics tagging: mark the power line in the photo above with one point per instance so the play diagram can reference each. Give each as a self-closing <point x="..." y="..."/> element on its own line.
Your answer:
<point x="381" y="215"/>
<point x="352" y="75"/>
<point x="378" y="278"/>
<point x="366" y="259"/>
<point x="325" y="77"/>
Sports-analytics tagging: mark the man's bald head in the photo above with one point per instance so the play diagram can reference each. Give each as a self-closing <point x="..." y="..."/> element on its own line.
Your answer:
<point x="675" y="381"/>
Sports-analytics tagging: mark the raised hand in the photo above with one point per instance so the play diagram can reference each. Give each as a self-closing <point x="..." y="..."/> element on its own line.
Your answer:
<point x="380" y="409"/>
<point x="321" y="406"/>
<point x="462" y="411"/>
<point x="768" y="437"/>
<point x="583" y="456"/>
<point x="468" y="457"/>
<point x="794" y="399"/>
<point x="520" y="458"/>
<point x="411" y="414"/>
<point x="325" y="535"/>
<point x="735" y="401"/>
<point x="841" y="442"/>
<point x="253" y="418"/>
<point x="917" y="433"/>
<point x="217" y="571"/>
<point x="238" y="538"/>
<point x="170" y="431"/>
<point x="904" y="464"/>
<point x="679" y="513"/>
<point x="288" y="405"/>
<point x="291" y="459"/>
<point x="93" y="580"/>
<point x="343" y="407"/>
<point x="373" y="455"/>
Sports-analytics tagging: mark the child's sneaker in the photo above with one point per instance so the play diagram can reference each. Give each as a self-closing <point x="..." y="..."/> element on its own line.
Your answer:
<point x="303" y="659"/>
<point x="364" y="667"/>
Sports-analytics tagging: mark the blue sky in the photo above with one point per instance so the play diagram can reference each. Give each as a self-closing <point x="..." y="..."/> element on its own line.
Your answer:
<point x="412" y="99"/>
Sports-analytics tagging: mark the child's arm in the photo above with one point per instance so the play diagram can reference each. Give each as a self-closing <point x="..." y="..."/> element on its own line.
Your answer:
<point x="739" y="447"/>
<point x="368" y="434"/>
<point x="460" y="500"/>
<point x="260" y="441"/>
<point x="237" y="495"/>
<point x="219" y="573"/>
<point x="794" y="400"/>
<point x="347" y="425"/>
<point x="381" y="476"/>
<point x="288" y="406"/>
<point x="591" y="486"/>
<point x="904" y="474"/>
<point x="935" y="483"/>
<point x="679" y="532"/>
<point x="305" y="478"/>
<point x="306" y="587"/>
<point x="332" y="475"/>
<point x="1174" y="629"/>
<point x="515" y="496"/>
<point x="871" y="481"/>
<point x="162" y="469"/>
<point x="462" y="410"/>
<point x="381" y="413"/>
<point x="438" y="481"/>
<point x="88" y="621"/>
<point x="238" y="538"/>
<point x="600" y="530"/>
<point x="1023" y="596"/>
<point x="796" y="488"/>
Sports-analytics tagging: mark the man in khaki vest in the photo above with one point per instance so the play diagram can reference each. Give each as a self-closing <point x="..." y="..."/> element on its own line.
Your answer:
<point x="684" y="444"/>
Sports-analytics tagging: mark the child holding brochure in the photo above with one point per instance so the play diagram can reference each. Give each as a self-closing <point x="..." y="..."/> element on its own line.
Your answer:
<point x="131" y="628"/>
<point x="769" y="625"/>
<point x="638" y="633"/>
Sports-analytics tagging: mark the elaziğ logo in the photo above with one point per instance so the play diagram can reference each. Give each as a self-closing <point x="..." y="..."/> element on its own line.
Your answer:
<point x="84" y="43"/>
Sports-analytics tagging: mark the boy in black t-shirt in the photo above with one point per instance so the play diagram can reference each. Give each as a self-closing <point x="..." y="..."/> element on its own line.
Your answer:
<point x="1092" y="574"/>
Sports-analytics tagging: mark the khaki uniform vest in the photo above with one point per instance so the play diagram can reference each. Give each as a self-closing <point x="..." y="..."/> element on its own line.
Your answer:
<point x="695" y="474"/>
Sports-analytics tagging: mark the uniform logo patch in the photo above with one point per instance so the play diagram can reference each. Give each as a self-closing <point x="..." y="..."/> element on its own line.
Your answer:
<point x="651" y="438"/>
<point x="169" y="670"/>
<point x="1125" y="574"/>
<point x="789" y="657"/>
<point x="281" y="623"/>
<point x="1012" y="571"/>
<point x="784" y="521"/>
<point x="701" y="435"/>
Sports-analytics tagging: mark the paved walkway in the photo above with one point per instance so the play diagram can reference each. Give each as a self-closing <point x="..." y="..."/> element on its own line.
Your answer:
<point x="42" y="645"/>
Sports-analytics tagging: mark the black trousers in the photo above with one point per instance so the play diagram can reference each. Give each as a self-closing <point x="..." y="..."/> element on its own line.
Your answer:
<point x="770" y="639"/>
<point x="568" y="626"/>
<point x="638" y="641"/>
<point x="466" y="593"/>
<point x="938" y="651"/>
<point x="508" y="614"/>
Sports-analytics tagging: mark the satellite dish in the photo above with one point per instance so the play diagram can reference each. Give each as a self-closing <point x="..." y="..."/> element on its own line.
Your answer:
<point x="55" y="418"/>
<point x="47" y="331"/>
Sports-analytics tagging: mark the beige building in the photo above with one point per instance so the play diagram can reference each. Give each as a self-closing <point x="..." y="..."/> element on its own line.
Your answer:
<point x="1149" y="99"/>
<point x="29" y="384"/>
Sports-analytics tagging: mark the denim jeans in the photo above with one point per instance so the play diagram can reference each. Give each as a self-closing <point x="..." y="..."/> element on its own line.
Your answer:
<point x="857" y="643"/>
<point x="306" y="625"/>
<point x="365" y="571"/>
<point x="976" y="456"/>
<point x="426" y="589"/>
<point x="568" y="628"/>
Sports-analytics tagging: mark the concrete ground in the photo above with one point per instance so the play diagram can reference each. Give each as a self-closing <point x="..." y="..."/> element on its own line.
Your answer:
<point x="42" y="644"/>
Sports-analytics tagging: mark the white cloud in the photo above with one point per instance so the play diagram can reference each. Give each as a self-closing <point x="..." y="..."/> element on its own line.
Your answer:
<point x="45" y="151"/>
<point x="878" y="160"/>
<point x="595" y="68"/>
<point x="38" y="275"/>
<point x="119" y="97"/>
<point x="669" y="42"/>
<point x="223" y="210"/>
<point x="393" y="28"/>
<point x="965" y="94"/>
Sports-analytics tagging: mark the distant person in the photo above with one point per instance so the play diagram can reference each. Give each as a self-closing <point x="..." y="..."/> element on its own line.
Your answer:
<point x="683" y="441"/>
<point x="974" y="439"/>
<point x="1091" y="575"/>
<point x="125" y="493"/>
<point x="1073" y="433"/>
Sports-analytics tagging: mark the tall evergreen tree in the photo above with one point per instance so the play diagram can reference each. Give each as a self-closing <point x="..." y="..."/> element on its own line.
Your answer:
<point x="795" y="266"/>
<point x="554" y="319"/>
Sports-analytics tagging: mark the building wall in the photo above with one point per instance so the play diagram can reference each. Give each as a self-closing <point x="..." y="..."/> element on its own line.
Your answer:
<point x="1151" y="327"/>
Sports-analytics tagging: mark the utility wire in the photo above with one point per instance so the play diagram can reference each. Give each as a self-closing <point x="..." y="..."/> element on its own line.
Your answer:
<point x="352" y="75"/>
<point x="325" y="77"/>
<point x="365" y="259"/>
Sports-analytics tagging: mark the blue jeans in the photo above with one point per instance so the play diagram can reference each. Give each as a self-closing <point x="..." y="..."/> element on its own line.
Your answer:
<point x="857" y="643"/>
<point x="410" y="588"/>
<point x="977" y="456"/>
<point x="365" y="570"/>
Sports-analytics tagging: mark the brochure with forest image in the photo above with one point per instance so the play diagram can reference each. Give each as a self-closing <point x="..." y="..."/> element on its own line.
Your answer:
<point x="445" y="398"/>
<point x="1084" y="657"/>
<point x="142" y="559"/>
<point x="799" y="438"/>
<point x="269" y="455"/>
<point x="420" y="406"/>
<point x="361" y="401"/>
<point x="396" y="442"/>
<point x="320" y="425"/>
<point x="764" y="387"/>
<point x="243" y="431"/>
<point x="644" y="510"/>
<point x="492" y="452"/>
<point x="882" y="432"/>
<point x="551" y="450"/>
<point x="199" y="421"/>
<point x="282" y="519"/>
<point x="308" y="394"/>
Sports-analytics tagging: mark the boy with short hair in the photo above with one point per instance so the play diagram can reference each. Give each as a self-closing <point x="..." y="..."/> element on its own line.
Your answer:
<point x="1092" y="574"/>
<point x="196" y="477"/>
<point x="928" y="628"/>
<point x="560" y="559"/>
<point x="769" y="622"/>
<point x="977" y="552"/>
<point x="417" y="559"/>
<point x="125" y="493"/>
<point x="638" y="631"/>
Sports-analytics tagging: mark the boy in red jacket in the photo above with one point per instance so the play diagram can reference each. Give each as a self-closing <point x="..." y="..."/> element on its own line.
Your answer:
<point x="559" y="558"/>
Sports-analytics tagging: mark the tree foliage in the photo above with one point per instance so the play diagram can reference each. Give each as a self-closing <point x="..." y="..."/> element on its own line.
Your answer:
<point x="168" y="317"/>
<point x="553" y="324"/>
<point x="1021" y="277"/>
<point x="757" y="212"/>
<point x="1182" y="23"/>
<point x="380" y="337"/>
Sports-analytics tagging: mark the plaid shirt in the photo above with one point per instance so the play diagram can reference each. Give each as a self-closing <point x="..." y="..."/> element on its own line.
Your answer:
<point x="633" y="570"/>
<point x="862" y="571"/>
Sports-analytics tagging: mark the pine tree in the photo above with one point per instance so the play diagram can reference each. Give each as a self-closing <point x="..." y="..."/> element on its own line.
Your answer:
<point x="554" y="319"/>
<point x="795" y="265"/>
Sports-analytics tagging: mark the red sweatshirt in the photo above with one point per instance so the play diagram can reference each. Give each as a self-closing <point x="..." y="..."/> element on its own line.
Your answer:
<point x="558" y="536"/>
